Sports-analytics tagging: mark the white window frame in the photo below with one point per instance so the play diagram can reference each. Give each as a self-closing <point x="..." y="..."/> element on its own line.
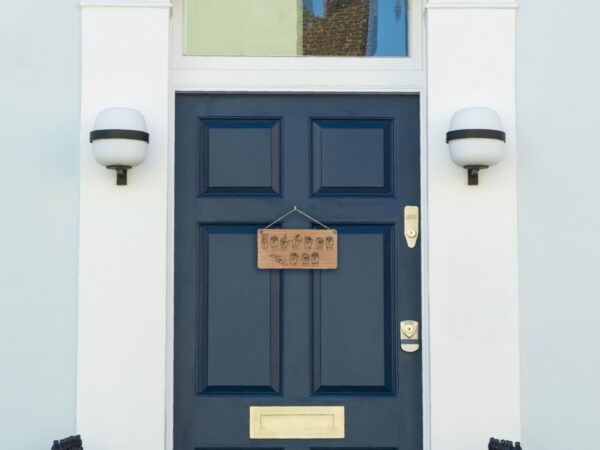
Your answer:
<point x="299" y="73"/>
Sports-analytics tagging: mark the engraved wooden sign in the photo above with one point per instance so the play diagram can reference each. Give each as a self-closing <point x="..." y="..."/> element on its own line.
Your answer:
<point x="297" y="249"/>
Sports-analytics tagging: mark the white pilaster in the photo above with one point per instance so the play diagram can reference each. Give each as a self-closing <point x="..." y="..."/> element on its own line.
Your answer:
<point x="123" y="233"/>
<point x="472" y="232"/>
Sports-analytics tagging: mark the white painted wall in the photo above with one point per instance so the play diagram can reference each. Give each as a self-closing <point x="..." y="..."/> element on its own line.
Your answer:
<point x="472" y="234"/>
<point x="123" y="246"/>
<point x="39" y="131"/>
<point x="558" y="94"/>
<point x="125" y="237"/>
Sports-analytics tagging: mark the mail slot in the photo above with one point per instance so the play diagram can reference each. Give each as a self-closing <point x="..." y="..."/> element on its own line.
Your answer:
<point x="297" y="422"/>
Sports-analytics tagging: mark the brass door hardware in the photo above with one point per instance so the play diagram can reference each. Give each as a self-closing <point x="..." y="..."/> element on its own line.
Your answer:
<point x="409" y="336"/>
<point x="297" y="422"/>
<point x="411" y="225"/>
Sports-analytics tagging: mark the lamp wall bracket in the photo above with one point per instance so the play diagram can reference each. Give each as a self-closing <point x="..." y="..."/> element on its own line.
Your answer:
<point x="121" y="174"/>
<point x="473" y="174"/>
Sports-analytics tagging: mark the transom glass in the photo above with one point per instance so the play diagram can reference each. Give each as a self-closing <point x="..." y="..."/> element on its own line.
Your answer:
<point x="296" y="28"/>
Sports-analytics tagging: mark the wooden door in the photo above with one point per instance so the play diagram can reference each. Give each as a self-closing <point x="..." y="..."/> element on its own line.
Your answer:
<point x="246" y="337"/>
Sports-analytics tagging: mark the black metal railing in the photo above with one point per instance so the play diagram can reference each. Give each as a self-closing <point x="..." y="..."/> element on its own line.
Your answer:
<point x="70" y="443"/>
<point x="497" y="444"/>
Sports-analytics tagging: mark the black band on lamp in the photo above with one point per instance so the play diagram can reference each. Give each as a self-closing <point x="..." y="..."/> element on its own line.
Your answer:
<point x="134" y="135"/>
<point x="476" y="133"/>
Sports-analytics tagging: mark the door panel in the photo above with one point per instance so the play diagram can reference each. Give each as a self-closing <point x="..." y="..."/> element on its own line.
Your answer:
<point x="352" y="156"/>
<point x="352" y="315"/>
<point x="248" y="337"/>
<point x="239" y="322"/>
<point x="228" y="147"/>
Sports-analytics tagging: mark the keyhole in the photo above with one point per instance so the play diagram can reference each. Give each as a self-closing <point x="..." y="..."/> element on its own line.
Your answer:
<point x="408" y="329"/>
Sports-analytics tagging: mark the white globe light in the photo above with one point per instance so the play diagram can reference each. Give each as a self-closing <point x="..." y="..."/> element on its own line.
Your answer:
<point x="120" y="140"/>
<point x="476" y="139"/>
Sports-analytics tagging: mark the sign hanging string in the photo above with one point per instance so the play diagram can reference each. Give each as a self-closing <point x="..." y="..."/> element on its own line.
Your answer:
<point x="295" y="209"/>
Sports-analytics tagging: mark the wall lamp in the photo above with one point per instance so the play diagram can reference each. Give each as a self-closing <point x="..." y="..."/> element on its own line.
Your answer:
<point x="476" y="140"/>
<point x="119" y="140"/>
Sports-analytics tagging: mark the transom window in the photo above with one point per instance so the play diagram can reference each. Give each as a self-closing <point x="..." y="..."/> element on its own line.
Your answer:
<point x="296" y="28"/>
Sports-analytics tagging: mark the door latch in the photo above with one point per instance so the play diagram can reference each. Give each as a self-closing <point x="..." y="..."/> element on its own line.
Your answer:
<point x="411" y="225"/>
<point x="409" y="336"/>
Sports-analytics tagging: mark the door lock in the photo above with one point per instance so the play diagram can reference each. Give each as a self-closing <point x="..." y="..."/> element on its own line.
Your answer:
<point x="409" y="336"/>
<point x="411" y="225"/>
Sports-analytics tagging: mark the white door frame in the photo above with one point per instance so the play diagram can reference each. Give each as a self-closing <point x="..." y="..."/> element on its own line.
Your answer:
<point x="126" y="234"/>
<point x="301" y="75"/>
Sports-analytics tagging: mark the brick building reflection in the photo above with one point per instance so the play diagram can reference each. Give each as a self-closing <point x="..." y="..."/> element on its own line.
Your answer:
<point x="342" y="28"/>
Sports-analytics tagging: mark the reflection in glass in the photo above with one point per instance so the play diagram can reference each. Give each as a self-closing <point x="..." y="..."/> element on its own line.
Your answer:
<point x="296" y="27"/>
<point x="354" y="27"/>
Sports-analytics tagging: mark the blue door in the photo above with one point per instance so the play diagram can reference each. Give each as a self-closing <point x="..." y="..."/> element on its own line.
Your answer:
<point x="246" y="337"/>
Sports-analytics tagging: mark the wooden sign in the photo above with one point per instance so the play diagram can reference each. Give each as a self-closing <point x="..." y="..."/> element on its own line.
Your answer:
<point x="297" y="249"/>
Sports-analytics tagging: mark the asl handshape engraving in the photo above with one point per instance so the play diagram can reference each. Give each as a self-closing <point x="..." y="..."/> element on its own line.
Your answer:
<point x="319" y="242"/>
<point x="297" y="249"/>
<point x="294" y="258"/>
<point x="280" y="259"/>
<point x="329" y="242"/>
<point x="264" y="241"/>
<point x="314" y="258"/>
<point x="308" y="242"/>
<point x="296" y="242"/>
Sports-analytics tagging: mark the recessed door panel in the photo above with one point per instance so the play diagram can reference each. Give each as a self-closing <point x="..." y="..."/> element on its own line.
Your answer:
<point x="353" y="316"/>
<point x="228" y="147"/>
<point x="352" y="156"/>
<point x="238" y="334"/>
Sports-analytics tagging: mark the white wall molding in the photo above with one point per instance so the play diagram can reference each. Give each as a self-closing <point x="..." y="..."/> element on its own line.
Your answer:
<point x="123" y="236"/>
<point x="183" y="82"/>
<point x="473" y="265"/>
<point x="126" y="4"/>
<point x="471" y="5"/>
